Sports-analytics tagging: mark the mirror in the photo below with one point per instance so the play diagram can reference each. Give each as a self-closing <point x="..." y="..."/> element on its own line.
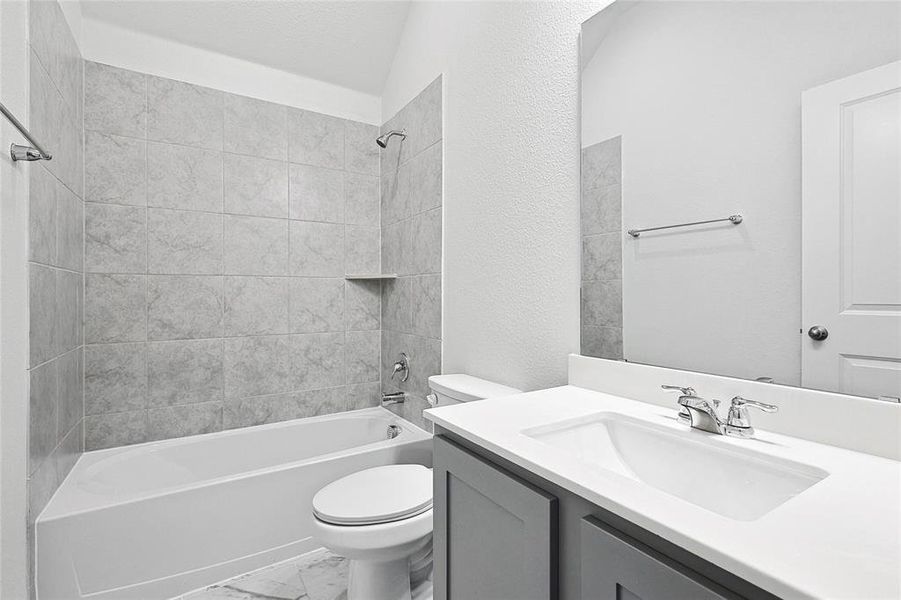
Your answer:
<point x="757" y="146"/>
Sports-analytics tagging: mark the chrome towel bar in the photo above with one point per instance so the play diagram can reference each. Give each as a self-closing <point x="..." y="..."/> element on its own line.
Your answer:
<point x="734" y="219"/>
<point x="19" y="152"/>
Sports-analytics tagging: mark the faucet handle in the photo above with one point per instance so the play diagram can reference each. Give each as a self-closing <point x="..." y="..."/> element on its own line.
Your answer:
<point x="685" y="391"/>
<point x="739" y="422"/>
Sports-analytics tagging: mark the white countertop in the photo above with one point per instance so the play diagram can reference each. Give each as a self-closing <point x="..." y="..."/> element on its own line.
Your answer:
<point x="841" y="538"/>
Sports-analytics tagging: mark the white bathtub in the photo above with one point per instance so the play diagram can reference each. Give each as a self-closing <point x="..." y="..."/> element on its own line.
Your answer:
<point x="160" y="519"/>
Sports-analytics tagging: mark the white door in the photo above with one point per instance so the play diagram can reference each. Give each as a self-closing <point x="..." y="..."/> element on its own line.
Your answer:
<point x="851" y="234"/>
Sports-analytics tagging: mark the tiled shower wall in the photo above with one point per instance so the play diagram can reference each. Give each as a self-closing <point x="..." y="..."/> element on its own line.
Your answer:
<point x="218" y="230"/>
<point x="55" y="268"/>
<point x="411" y="172"/>
<point x="602" y="253"/>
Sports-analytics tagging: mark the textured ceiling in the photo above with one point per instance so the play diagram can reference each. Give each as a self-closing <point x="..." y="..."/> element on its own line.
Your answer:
<point x="347" y="43"/>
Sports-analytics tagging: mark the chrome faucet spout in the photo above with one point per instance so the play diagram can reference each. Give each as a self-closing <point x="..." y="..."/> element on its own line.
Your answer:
<point x="702" y="414"/>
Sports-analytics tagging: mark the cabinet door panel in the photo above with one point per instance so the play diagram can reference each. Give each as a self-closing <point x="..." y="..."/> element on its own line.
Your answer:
<point x="616" y="567"/>
<point x="495" y="535"/>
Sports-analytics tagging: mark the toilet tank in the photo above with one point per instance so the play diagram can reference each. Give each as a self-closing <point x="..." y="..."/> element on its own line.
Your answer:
<point x="456" y="388"/>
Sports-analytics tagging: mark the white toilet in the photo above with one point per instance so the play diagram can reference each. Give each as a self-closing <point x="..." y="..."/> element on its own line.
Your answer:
<point x="381" y="518"/>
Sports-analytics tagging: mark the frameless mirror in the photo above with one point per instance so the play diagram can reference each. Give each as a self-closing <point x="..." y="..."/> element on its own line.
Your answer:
<point x="741" y="190"/>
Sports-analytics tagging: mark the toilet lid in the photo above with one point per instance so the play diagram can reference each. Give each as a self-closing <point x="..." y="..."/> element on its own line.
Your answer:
<point x="377" y="495"/>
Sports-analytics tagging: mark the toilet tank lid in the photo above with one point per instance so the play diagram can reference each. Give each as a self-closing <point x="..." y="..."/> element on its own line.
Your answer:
<point x="466" y="387"/>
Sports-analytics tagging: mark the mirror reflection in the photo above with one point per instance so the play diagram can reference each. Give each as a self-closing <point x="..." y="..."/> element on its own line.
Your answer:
<point x="753" y="149"/>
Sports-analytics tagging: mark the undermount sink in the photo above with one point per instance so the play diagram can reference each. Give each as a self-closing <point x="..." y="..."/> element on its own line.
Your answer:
<point x="740" y="484"/>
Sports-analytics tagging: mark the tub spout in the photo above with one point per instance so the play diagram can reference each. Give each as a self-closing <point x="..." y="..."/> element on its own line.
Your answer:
<point x="389" y="398"/>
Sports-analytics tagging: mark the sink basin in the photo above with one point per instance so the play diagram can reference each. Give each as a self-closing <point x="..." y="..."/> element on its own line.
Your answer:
<point x="737" y="483"/>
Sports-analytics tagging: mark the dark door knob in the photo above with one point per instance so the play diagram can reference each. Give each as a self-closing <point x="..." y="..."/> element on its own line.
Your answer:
<point x="818" y="333"/>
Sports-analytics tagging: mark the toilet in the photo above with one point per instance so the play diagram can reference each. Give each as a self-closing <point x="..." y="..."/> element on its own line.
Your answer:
<point x="380" y="519"/>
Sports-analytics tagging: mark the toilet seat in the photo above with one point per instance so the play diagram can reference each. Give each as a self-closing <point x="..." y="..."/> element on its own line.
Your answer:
<point x="374" y="496"/>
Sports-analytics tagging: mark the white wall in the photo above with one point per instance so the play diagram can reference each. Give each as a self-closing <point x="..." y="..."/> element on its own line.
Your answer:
<point x="511" y="196"/>
<point x="707" y="98"/>
<point x="113" y="45"/>
<point x="13" y="302"/>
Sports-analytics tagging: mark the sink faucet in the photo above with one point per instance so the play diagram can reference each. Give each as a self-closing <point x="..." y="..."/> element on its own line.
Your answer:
<point x="702" y="414"/>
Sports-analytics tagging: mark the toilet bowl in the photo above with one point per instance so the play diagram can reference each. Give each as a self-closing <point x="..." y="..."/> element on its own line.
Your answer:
<point x="380" y="519"/>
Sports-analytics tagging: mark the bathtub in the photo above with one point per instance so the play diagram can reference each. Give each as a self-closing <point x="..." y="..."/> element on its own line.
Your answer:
<point x="160" y="519"/>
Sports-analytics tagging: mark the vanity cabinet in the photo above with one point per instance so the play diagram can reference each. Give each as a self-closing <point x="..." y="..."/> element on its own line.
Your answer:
<point x="494" y="534"/>
<point x="504" y="533"/>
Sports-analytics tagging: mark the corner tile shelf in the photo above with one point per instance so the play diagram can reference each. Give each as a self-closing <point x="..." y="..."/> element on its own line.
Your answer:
<point x="373" y="276"/>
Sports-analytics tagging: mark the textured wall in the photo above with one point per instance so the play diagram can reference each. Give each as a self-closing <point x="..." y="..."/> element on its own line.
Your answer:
<point x="218" y="230"/>
<point x="602" y="250"/>
<point x="55" y="268"/>
<point x="511" y="191"/>
<point x="411" y="247"/>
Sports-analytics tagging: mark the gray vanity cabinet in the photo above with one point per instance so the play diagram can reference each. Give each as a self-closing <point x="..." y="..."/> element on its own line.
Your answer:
<point x="617" y="567"/>
<point x="494" y="534"/>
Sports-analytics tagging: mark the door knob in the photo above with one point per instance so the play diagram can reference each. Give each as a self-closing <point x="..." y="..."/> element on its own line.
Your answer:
<point x="818" y="333"/>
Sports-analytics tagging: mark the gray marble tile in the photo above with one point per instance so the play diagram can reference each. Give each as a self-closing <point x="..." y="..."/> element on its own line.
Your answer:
<point x="48" y="116"/>
<point x="115" y="100"/>
<point x="397" y="308"/>
<point x="115" y="169"/>
<point x="115" y="239"/>
<point x="317" y="360"/>
<point x="115" y="308"/>
<point x="184" y="242"/>
<point x="315" y="139"/>
<point x="396" y="189"/>
<point x="69" y="310"/>
<point x="602" y="256"/>
<point x="184" y="307"/>
<point x="256" y="127"/>
<point x="256" y="246"/>
<point x="602" y="210"/>
<point x="602" y="303"/>
<point x="425" y="180"/>
<point x="258" y="410"/>
<point x="70" y="395"/>
<point x="256" y="305"/>
<point x="54" y="45"/>
<point x="317" y="249"/>
<point x="184" y="420"/>
<point x="278" y="582"/>
<point x="361" y="200"/>
<point x="421" y="118"/>
<point x="42" y="330"/>
<point x="115" y="429"/>
<point x="425" y="301"/>
<point x="324" y="574"/>
<point x="69" y="450"/>
<point x="393" y="344"/>
<point x="70" y="231"/>
<point x="256" y="186"/>
<point x="362" y="351"/>
<point x="361" y="152"/>
<point x="184" y="372"/>
<point x="115" y="378"/>
<point x="219" y="592"/>
<point x="317" y="305"/>
<point x="43" y="195"/>
<point x="363" y="395"/>
<point x="427" y="356"/>
<point x="426" y="236"/>
<point x="185" y="178"/>
<point x="317" y="194"/>
<point x="312" y="403"/>
<point x="362" y="249"/>
<point x="602" y="342"/>
<point x="182" y="113"/>
<point x="362" y="305"/>
<point x="42" y="484"/>
<point x="602" y="164"/>
<point x="42" y="413"/>
<point x="397" y="248"/>
<point x="255" y="366"/>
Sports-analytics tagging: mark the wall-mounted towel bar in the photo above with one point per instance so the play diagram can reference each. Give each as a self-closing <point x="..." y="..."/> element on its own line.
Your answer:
<point x="734" y="219"/>
<point x="18" y="151"/>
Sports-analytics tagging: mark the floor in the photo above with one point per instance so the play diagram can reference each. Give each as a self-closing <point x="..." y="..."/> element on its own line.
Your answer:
<point x="319" y="575"/>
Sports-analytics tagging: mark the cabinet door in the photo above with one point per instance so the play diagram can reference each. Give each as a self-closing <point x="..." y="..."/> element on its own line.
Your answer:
<point x="495" y="535"/>
<point x="616" y="567"/>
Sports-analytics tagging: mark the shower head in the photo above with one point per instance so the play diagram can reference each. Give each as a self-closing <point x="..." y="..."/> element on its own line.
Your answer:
<point x="382" y="140"/>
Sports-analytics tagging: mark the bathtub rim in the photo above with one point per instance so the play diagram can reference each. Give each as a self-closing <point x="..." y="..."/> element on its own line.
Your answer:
<point x="59" y="505"/>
